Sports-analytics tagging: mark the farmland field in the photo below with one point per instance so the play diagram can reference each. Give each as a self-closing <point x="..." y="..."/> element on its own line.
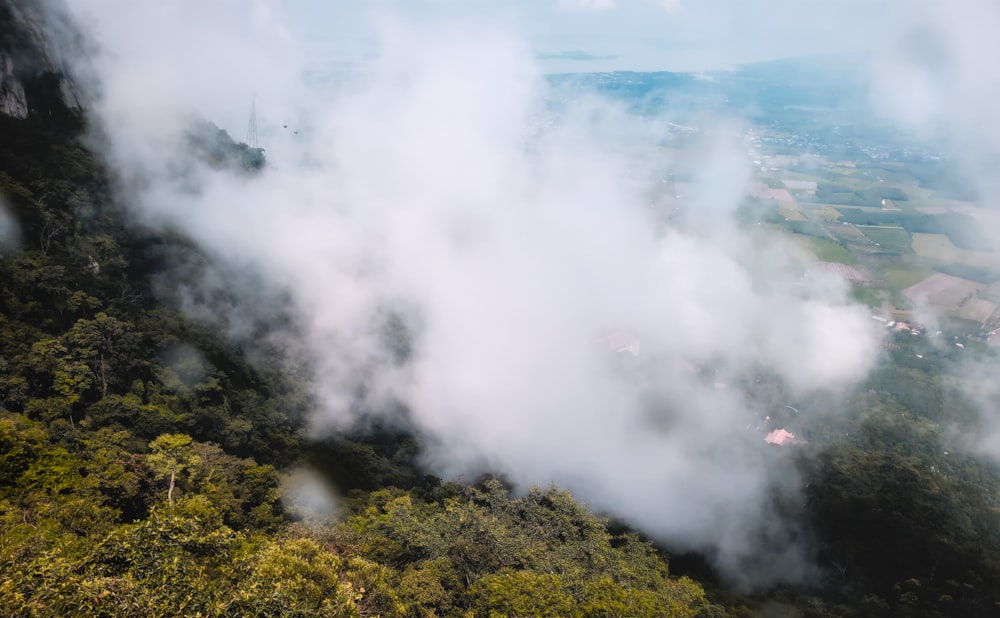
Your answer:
<point x="945" y="291"/>
<point x="901" y="279"/>
<point x="828" y="251"/>
<point x="889" y="238"/>
<point x="790" y="211"/>
<point x="977" y="310"/>
<point x="850" y="273"/>
<point x="885" y="226"/>
<point x="992" y="293"/>
<point x="871" y="216"/>
<point x="848" y="233"/>
<point x="822" y="212"/>
<point x="939" y="247"/>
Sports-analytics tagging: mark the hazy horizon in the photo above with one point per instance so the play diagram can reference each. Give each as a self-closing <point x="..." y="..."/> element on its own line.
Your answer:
<point x="626" y="35"/>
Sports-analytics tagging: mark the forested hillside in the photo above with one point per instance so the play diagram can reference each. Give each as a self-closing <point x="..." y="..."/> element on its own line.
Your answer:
<point x="141" y="455"/>
<point x="148" y="461"/>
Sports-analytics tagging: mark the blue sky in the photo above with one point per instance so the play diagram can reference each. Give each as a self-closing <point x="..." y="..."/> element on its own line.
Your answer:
<point x="584" y="35"/>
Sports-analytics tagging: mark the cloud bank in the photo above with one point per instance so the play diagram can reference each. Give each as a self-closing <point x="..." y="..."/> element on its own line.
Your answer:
<point x="513" y="245"/>
<point x="933" y="76"/>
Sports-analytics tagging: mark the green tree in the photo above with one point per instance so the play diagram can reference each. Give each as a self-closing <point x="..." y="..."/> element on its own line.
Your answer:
<point x="71" y="377"/>
<point x="522" y="594"/>
<point x="106" y="345"/>
<point x="171" y="455"/>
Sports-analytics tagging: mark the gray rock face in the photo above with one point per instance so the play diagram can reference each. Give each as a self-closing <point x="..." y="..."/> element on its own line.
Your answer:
<point x="13" y="101"/>
<point x="34" y="47"/>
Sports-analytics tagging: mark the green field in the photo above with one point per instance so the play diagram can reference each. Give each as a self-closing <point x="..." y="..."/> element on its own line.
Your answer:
<point x="901" y="279"/>
<point x="828" y="251"/>
<point x="821" y="212"/>
<point x="848" y="234"/>
<point x="872" y="297"/>
<point x="872" y="216"/>
<point x="940" y="247"/>
<point x="889" y="238"/>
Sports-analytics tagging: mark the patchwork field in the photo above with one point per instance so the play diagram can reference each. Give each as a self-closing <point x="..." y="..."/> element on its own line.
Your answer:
<point x="886" y="227"/>
<point x="822" y="212"/>
<point x="848" y="233"/>
<point x="890" y="238"/>
<point x="801" y="185"/>
<point x="945" y="291"/>
<point x="939" y="247"/>
<point x="977" y="310"/>
<point x="761" y="190"/>
<point x="790" y="211"/>
<point x="992" y="293"/>
<point x="901" y="279"/>
<point x="828" y="251"/>
<point x="854" y="274"/>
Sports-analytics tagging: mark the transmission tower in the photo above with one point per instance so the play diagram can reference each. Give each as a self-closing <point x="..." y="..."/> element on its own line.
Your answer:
<point x="252" y="125"/>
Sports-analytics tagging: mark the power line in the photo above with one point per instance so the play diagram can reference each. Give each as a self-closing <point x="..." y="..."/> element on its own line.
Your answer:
<point x="252" y="125"/>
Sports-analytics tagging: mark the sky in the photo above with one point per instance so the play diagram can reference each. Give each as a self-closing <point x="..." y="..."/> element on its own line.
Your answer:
<point x="440" y="189"/>
<point x="637" y="35"/>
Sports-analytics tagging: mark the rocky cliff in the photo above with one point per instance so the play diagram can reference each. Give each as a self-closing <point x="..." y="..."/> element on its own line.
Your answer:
<point x="34" y="46"/>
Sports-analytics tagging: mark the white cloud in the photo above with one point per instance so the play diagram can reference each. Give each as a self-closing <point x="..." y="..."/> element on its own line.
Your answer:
<point x="934" y="76"/>
<point x="511" y="241"/>
<point x="588" y="5"/>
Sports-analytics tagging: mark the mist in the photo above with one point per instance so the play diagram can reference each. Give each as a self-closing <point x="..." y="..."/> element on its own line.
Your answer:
<point x="10" y="231"/>
<point x="511" y="242"/>
<point x="933" y="76"/>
